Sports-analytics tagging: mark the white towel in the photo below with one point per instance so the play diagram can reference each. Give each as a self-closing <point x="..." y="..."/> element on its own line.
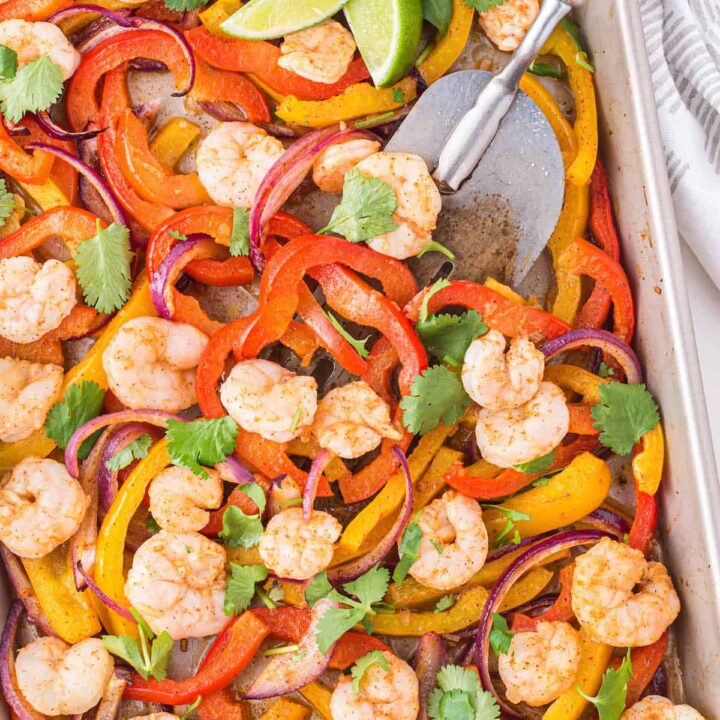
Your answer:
<point x="683" y="41"/>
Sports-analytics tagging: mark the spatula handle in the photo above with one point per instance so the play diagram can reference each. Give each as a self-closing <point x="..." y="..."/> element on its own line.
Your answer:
<point x="472" y="136"/>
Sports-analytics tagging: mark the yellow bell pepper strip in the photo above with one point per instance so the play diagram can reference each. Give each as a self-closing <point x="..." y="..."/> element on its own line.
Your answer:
<point x="449" y="48"/>
<point x="333" y="471"/>
<point x="89" y="368"/>
<point x="217" y="13"/>
<point x="47" y="195"/>
<point x="244" y="556"/>
<point x="594" y="659"/>
<point x="586" y="126"/>
<point x="172" y="140"/>
<point x="319" y="697"/>
<point x="285" y="709"/>
<point x="431" y="483"/>
<point x="109" y="559"/>
<point x="567" y="497"/>
<point x="70" y="612"/>
<point x="293" y="591"/>
<point x="505" y="290"/>
<point x="647" y="464"/>
<point x="389" y="499"/>
<point x="354" y="102"/>
<point x="576" y="379"/>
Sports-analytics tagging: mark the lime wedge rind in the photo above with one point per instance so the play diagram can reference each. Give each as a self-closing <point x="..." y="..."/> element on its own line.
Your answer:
<point x="271" y="19"/>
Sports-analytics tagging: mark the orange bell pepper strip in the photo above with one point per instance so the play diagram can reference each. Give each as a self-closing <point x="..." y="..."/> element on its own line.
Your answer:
<point x="560" y="611"/>
<point x="172" y="140"/>
<point x="261" y="58"/>
<point x="645" y="663"/>
<point x="648" y="461"/>
<point x="222" y="705"/>
<point x="147" y="177"/>
<point x="284" y="709"/>
<point x="32" y="10"/>
<point x="449" y="47"/>
<point x="23" y="166"/>
<point x="581" y="422"/>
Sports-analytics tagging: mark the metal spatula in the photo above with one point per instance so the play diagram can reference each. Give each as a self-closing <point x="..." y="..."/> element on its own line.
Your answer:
<point x="496" y="160"/>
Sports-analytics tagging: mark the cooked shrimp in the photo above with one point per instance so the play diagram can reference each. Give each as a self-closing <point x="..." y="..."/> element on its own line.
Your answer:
<point x="322" y="52"/>
<point x="295" y="549"/>
<point x="540" y="665"/>
<point x="232" y="161"/>
<point x="34" y="40"/>
<point x="265" y="398"/>
<point x="454" y="524"/>
<point x="655" y="707"/>
<point x="620" y="598"/>
<point x="177" y="583"/>
<point x="507" y="24"/>
<point x="61" y="679"/>
<point x="282" y="494"/>
<point x="498" y="380"/>
<point x="529" y="431"/>
<point x="34" y="298"/>
<point x="352" y="420"/>
<point x="334" y="162"/>
<point x="27" y="392"/>
<point x="151" y="362"/>
<point x="418" y="202"/>
<point x="391" y="694"/>
<point x="180" y="499"/>
<point x="41" y="506"/>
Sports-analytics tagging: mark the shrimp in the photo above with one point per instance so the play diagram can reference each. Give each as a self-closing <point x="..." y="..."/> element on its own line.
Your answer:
<point x="321" y="53"/>
<point x="295" y="549"/>
<point x="61" y="679"/>
<point x="177" y="583"/>
<point x="620" y="598"/>
<point x="27" y="393"/>
<point x="418" y="202"/>
<point x="180" y="499"/>
<point x="529" y="431"/>
<point x="41" y="506"/>
<point x="655" y="707"/>
<point x="507" y="24"/>
<point x="34" y="40"/>
<point x="335" y="161"/>
<point x="498" y="380"/>
<point x="34" y="298"/>
<point x="352" y="420"/>
<point x="151" y="362"/>
<point x="452" y="524"/>
<point x="540" y="665"/>
<point x="391" y="694"/>
<point x="265" y="398"/>
<point x="233" y="160"/>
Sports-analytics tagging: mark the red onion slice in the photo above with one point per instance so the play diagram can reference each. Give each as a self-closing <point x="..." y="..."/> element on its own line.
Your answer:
<point x="541" y="602"/>
<point x="602" y="339"/>
<point x="24" y="590"/>
<point x="108" y="601"/>
<point x="313" y="479"/>
<point x="55" y="131"/>
<point x="429" y="657"/>
<point x="120" y="18"/>
<point x="356" y="568"/>
<point x="283" y="674"/>
<point x="609" y="521"/>
<point x="223" y="110"/>
<point x="531" y="557"/>
<point x="241" y="475"/>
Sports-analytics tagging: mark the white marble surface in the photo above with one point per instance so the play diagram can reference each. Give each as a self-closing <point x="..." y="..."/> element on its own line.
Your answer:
<point x="705" y="307"/>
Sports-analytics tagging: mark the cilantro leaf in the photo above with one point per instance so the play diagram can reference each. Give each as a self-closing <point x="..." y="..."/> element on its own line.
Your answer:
<point x="7" y="202"/>
<point x="409" y="547"/>
<point x="435" y="288"/>
<point x="361" y="666"/>
<point x="150" y="660"/>
<point x="125" y="647"/>
<point x="444" y="603"/>
<point x="162" y="646"/>
<point x="436" y="396"/>
<point x="450" y="335"/>
<point x="605" y="371"/>
<point x="81" y="402"/>
<point x="366" y="209"/>
<point x="435" y="246"/>
<point x="439" y="14"/>
<point x="8" y="62"/>
<point x="103" y="268"/>
<point x="136" y="450"/>
<point x="35" y="86"/>
<point x="371" y="587"/>
<point x="240" y="235"/>
<point x="239" y="529"/>
<point x="334" y="624"/>
<point x="625" y="413"/>
<point x="151" y="525"/>
<point x="398" y="94"/>
<point x="177" y="235"/>
<point x="500" y="635"/>
<point x="459" y="696"/>
<point x="181" y="5"/>
<point x="575" y="34"/>
<point x="545" y="70"/>
<point x="610" y="700"/>
<point x="256" y="494"/>
<point x="241" y="587"/>
<point x="537" y="465"/>
<point x="200" y="442"/>
<point x="318" y="588"/>
<point x="484" y="5"/>
<point x="357" y="345"/>
<point x="511" y="517"/>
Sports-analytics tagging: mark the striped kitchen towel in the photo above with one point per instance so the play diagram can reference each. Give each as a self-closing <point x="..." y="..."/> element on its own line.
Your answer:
<point x="683" y="41"/>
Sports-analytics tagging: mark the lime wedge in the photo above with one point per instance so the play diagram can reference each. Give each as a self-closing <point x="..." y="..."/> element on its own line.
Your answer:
<point x="269" y="19"/>
<point x="387" y="33"/>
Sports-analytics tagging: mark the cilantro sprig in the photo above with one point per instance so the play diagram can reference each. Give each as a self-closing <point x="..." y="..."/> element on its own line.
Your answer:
<point x="484" y="5"/>
<point x="500" y="635"/>
<point x="31" y="88"/>
<point x="241" y="587"/>
<point x="610" y="700"/>
<point x="449" y="336"/>
<point x="409" y="551"/>
<point x="459" y="696"/>
<point x="438" y="13"/>
<point x="537" y="465"/>
<point x="357" y="345"/>
<point x="573" y="30"/>
<point x="240" y="529"/>
<point x="136" y="450"/>
<point x="444" y="603"/>
<point x="511" y="517"/>
<point x="82" y="402"/>
<point x="240" y="235"/>
<point x="363" y="664"/>
<point x="181" y="5"/>
<point x="200" y="442"/>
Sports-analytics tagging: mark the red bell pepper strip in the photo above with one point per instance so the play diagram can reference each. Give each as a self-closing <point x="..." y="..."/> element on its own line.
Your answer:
<point x="560" y="611"/>
<point x="583" y="258"/>
<point x="645" y="663"/>
<point x="20" y="165"/>
<point x="147" y="177"/>
<point x="32" y="10"/>
<point x="115" y="52"/>
<point x="645" y="522"/>
<point x="237" y="498"/>
<point x="500" y="313"/>
<point x="213" y="85"/>
<point x="261" y="59"/>
<point x="232" y="651"/>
